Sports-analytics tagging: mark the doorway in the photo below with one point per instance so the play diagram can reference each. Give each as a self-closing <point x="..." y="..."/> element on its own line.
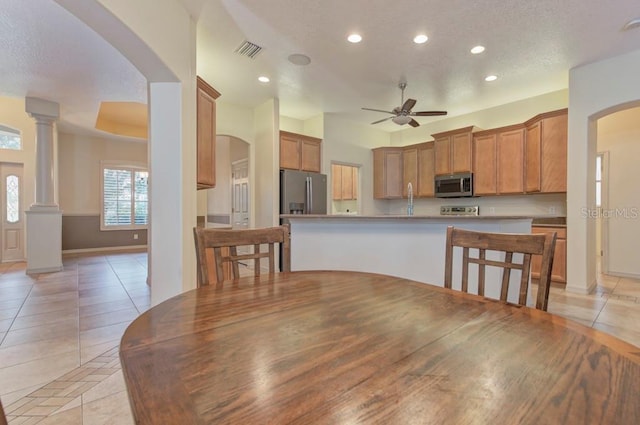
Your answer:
<point x="12" y="224"/>
<point x="240" y="194"/>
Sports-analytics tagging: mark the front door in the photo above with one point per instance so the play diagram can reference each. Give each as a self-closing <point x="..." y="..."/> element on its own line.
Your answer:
<point x="240" y="194"/>
<point x="12" y="224"/>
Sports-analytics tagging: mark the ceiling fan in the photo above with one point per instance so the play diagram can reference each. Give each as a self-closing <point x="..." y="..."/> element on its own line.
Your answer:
<point x="402" y="114"/>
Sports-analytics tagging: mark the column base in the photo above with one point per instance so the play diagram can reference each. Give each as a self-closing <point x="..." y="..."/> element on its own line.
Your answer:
<point x="44" y="239"/>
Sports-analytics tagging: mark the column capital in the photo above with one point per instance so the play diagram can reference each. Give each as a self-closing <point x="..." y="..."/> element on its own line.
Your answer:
<point x="42" y="110"/>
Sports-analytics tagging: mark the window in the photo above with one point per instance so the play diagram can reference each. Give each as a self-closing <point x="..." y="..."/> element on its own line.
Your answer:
<point x="125" y="200"/>
<point x="10" y="138"/>
<point x="599" y="180"/>
<point x="12" y="185"/>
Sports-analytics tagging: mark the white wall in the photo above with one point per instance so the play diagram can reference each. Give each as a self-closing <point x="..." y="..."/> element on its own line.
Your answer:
<point x="499" y="116"/>
<point x="619" y="134"/>
<point x="79" y="168"/>
<point x="12" y="115"/>
<point x="597" y="90"/>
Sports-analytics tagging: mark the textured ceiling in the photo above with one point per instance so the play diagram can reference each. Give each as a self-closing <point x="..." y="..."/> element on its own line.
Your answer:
<point x="48" y="53"/>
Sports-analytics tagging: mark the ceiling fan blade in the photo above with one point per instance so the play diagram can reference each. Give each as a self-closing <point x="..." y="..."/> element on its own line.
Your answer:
<point x="379" y="110"/>
<point x="428" y="113"/>
<point x="384" y="119"/>
<point x="414" y="123"/>
<point x="410" y="103"/>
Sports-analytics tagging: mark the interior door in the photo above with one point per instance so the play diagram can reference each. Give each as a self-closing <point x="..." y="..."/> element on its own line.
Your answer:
<point x="240" y="194"/>
<point x="12" y="224"/>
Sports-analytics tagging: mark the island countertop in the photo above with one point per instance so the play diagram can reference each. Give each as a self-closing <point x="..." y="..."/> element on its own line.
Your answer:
<point x="410" y="217"/>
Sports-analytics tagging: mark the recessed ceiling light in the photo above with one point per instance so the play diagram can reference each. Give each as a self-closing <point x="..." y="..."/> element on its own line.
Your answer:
<point x="354" y="38"/>
<point x="419" y="39"/>
<point x="490" y="78"/>
<point x="263" y="79"/>
<point x="299" y="59"/>
<point x="477" y="49"/>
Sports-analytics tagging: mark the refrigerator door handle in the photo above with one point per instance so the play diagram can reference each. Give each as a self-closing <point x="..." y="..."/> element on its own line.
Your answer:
<point x="310" y="195"/>
<point x="306" y="195"/>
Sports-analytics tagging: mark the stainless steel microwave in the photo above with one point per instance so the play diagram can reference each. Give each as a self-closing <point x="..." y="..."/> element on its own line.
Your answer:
<point x="454" y="185"/>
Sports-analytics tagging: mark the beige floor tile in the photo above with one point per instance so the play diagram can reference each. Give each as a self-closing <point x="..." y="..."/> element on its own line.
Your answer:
<point x="629" y="287"/>
<point x="71" y="416"/>
<point x="23" y="353"/>
<point x="61" y="329"/>
<point x="106" y="319"/>
<point x="620" y="313"/>
<point x="41" y="319"/>
<point x="111" y="410"/>
<point x="625" y="334"/>
<point x="36" y="372"/>
<point x="14" y="292"/>
<point x="99" y="299"/>
<point x="12" y="397"/>
<point x="112" y="385"/>
<point x="30" y="309"/>
<point x="8" y="313"/>
<point x="76" y="402"/>
<point x="88" y="353"/>
<point x="11" y="304"/>
<point x="103" y="334"/>
<point x="5" y="324"/>
<point x="105" y="307"/>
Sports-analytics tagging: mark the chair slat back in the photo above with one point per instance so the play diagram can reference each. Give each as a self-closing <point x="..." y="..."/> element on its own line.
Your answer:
<point x="509" y="244"/>
<point x="225" y="244"/>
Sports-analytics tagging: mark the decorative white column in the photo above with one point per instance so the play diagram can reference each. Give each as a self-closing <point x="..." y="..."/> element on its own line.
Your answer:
<point x="44" y="218"/>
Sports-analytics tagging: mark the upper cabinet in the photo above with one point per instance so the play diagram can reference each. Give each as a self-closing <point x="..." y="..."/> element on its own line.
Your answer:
<point x="546" y="153"/>
<point x="498" y="161"/>
<point x="344" y="182"/>
<point x="452" y="151"/>
<point x="418" y="163"/>
<point x="300" y="152"/>
<point x="387" y="173"/>
<point x="206" y="134"/>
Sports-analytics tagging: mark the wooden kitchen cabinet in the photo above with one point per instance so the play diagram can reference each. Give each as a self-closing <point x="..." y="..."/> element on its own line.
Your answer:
<point x="206" y="134"/>
<point x="344" y="182"/>
<point x="485" y="163"/>
<point x="510" y="160"/>
<point x="426" y="171"/>
<point x="453" y="151"/>
<point x="559" y="268"/>
<point x="410" y="170"/>
<point x="387" y="173"/>
<point x="300" y="152"/>
<point x="546" y="153"/>
<point x="498" y="159"/>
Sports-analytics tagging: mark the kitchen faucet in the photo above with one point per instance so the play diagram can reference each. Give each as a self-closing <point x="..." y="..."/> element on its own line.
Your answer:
<point x="410" y="202"/>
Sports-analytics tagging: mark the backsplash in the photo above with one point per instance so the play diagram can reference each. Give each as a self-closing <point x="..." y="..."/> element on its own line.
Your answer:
<point x="344" y="207"/>
<point x="552" y="205"/>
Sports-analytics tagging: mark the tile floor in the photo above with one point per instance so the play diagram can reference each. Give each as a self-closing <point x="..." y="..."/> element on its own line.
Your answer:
<point x="59" y="334"/>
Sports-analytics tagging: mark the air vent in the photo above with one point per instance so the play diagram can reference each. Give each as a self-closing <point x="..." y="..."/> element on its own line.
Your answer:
<point x="248" y="49"/>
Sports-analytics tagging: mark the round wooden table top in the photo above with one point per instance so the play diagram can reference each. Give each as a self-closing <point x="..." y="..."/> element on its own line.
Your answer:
<point x="353" y="348"/>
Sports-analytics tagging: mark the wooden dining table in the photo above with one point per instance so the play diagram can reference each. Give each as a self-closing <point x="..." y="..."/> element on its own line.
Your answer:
<point x="336" y="347"/>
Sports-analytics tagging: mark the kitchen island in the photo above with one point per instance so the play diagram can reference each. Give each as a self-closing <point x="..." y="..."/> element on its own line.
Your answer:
<point x="411" y="247"/>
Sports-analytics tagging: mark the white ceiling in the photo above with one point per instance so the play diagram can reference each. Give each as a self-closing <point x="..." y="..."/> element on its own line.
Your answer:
<point x="530" y="45"/>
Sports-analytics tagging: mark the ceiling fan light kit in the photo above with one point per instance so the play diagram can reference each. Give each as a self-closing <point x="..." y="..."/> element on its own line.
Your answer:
<point x="402" y="114"/>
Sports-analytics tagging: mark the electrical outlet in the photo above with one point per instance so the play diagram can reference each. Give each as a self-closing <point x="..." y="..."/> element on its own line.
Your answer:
<point x="135" y="236"/>
<point x="492" y="210"/>
<point x="552" y="210"/>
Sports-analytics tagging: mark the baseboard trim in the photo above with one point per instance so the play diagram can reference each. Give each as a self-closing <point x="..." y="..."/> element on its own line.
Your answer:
<point x="44" y="270"/>
<point x="618" y="274"/>
<point x="105" y="249"/>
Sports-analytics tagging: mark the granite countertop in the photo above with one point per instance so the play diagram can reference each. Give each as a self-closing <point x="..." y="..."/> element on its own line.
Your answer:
<point x="560" y="222"/>
<point x="406" y="217"/>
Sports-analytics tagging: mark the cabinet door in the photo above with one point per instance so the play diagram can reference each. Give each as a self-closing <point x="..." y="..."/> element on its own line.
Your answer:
<point x="347" y="182"/>
<point x="554" y="154"/>
<point x="354" y="181"/>
<point x="410" y="171"/>
<point x="289" y="152"/>
<point x="511" y="161"/>
<point x="310" y="156"/>
<point x="387" y="173"/>
<point x="532" y="156"/>
<point x="559" y="269"/>
<point x="336" y="182"/>
<point x="426" y="171"/>
<point x="206" y="140"/>
<point x="461" y="153"/>
<point x="484" y="164"/>
<point x="442" y="155"/>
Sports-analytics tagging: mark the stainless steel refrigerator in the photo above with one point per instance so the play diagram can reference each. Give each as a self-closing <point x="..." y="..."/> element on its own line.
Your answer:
<point x="302" y="192"/>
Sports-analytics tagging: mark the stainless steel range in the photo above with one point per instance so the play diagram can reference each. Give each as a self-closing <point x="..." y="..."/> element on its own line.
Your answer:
<point x="460" y="210"/>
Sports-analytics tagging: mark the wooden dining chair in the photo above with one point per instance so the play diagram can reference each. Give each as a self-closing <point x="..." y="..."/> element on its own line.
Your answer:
<point x="3" y="418"/>
<point x="509" y="244"/>
<point x="225" y="244"/>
